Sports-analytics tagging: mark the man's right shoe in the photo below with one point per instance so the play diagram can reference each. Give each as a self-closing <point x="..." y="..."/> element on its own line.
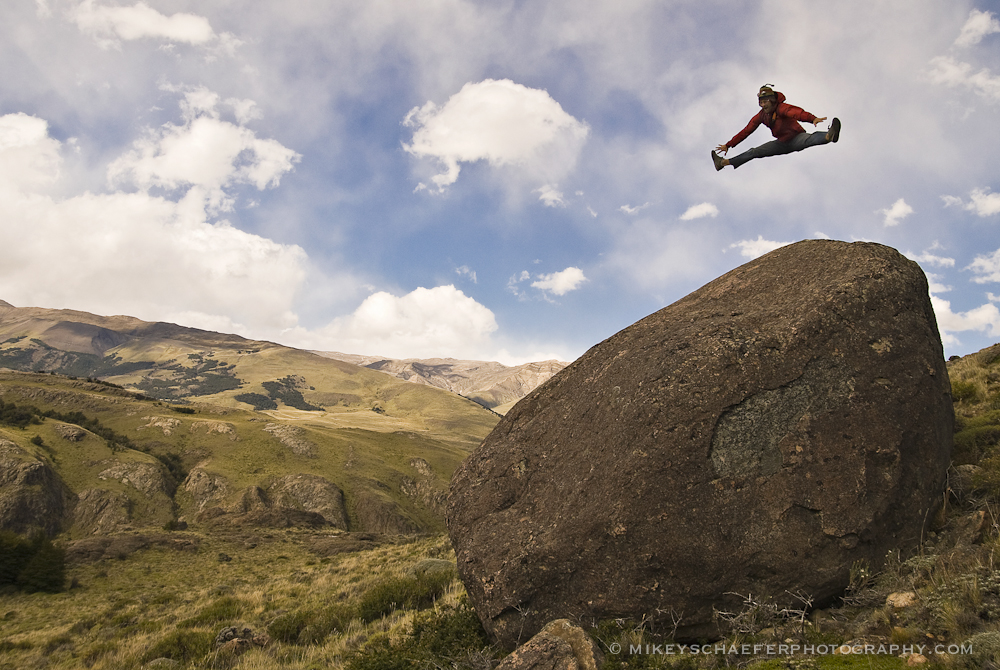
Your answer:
<point x="834" y="133"/>
<point x="719" y="161"/>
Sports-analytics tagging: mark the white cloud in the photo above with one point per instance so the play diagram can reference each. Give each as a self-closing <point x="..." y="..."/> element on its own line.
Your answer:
<point x="632" y="210"/>
<point x="560" y="283"/>
<point x="985" y="318"/>
<point x="986" y="267"/>
<point x="131" y="253"/>
<point x="700" y="211"/>
<point x="756" y="248"/>
<point x="953" y="73"/>
<point x="29" y="158"/>
<point x="424" y="323"/>
<point x="504" y="123"/>
<point x="204" y="152"/>
<point x="466" y="271"/>
<point x="110" y="24"/>
<point x="981" y="201"/>
<point x="550" y="196"/>
<point x="896" y="213"/>
<point x="984" y="203"/>
<point x="977" y="26"/>
<point x="927" y="258"/>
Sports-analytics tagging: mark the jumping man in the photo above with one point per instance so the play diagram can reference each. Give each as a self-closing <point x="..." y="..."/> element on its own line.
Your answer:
<point x="783" y="120"/>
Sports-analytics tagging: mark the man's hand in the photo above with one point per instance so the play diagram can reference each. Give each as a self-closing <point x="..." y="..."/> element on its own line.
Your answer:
<point x="818" y="120"/>
<point x="722" y="149"/>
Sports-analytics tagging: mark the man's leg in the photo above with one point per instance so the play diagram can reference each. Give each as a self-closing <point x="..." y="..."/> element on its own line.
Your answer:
<point x="776" y="148"/>
<point x="806" y="140"/>
<point x="772" y="148"/>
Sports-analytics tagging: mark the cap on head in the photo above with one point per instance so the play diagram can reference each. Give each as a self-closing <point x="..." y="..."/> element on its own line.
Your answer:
<point x="766" y="91"/>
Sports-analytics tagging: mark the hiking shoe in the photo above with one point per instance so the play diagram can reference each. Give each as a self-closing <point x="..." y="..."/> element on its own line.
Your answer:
<point x="834" y="130"/>
<point x="718" y="160"/>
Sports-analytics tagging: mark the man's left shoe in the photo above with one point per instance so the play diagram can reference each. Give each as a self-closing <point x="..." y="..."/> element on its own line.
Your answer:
<point x="834" y="133"/>
<point x="719" y="161"/>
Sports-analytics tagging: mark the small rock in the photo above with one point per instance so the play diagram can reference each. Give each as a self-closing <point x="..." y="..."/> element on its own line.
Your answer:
<point x="224" y="558"/>
<point x="163" y="663"/>
<point x="915" y="659"/>
<point x="901" y="599"/>
<point x="558" y="646"/>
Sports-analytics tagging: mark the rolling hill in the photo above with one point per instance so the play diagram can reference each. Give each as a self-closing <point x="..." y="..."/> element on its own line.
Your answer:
<point x="218" y="429"/>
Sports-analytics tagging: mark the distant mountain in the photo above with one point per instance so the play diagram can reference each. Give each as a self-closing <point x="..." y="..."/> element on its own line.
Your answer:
<point x="251" y="429"/>
<point x="490" y="384"/>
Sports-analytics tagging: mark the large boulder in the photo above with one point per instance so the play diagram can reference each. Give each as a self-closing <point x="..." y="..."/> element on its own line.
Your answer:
<point x="758" y="437"/>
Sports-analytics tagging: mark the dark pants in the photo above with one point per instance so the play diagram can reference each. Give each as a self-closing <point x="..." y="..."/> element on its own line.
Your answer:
<point x="777" y="147"/>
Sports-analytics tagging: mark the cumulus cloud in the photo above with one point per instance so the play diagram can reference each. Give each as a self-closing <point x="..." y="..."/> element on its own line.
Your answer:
<point x="756" y="248"/>
<point x="928" y="258"/>
<point x="977" y="26"/>
<point x="700" y="211"/>
<point x="501" y="122"/>
<point x="987" y="268"/>
<point x="109" y="25"/>
<point x="132" y="253"/>
<point x="985" y="318"/>
<point x="981" y="201"/>
<point x="424" y="323"/>
<point x="953" y="73"/>
<point x="29" y="158"/>
<point x="205" y="152"/>
<point x="895" y="213"/>
<point x="560" y="283"/>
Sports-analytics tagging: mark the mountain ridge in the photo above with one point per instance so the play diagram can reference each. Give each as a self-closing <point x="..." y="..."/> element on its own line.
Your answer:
<point x="489" y="383"/>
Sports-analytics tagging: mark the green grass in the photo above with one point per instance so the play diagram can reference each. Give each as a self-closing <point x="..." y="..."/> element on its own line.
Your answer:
<point x="245" y="454"/>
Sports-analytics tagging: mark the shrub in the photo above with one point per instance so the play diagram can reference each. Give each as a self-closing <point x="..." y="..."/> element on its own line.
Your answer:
<point x="183" y="646"/>
<point x="226" y="608"/>
<point x="310" y="626"/>
<point x="45" y="570"/>
<point x="436" y="639"/>
<point x="403" y="593"/>
<point x="32" y="564"/>
<point x="964" y="391"/>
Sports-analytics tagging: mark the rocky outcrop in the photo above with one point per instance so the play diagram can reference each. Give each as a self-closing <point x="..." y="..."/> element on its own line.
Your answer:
<point x="165" y="423"/>
<point x="311" y="493"/>
<point x="147" y="478"/>
<point x="206" y="488"/>
<point x="101" y="512"/>
<point x="758" y="436"/>
<point x="425" y="487"/>
<point x="379" y="514"/>
<point x="32" y="496"/>
<point x="293" y="438"/>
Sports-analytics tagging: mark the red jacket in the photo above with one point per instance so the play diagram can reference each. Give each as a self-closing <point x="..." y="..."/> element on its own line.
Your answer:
<point x="783" y="122"/>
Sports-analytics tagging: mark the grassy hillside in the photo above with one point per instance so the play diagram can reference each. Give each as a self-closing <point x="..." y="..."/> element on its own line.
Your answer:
<point x="392" y="465"/>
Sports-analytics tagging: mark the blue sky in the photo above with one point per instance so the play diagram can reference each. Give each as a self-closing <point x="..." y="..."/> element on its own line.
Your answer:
<point x="502" y="180"/>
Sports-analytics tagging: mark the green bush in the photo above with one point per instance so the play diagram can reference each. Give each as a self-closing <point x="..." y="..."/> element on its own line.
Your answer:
<point x="310" y="626"/>
<point x="33" y="564"/>
<point x="224" y="609"/>
<point x="437" y="639"/>
<point x="183" y="646"/>
<point x="964" y="391"/>
<point x="403" y="593"/>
